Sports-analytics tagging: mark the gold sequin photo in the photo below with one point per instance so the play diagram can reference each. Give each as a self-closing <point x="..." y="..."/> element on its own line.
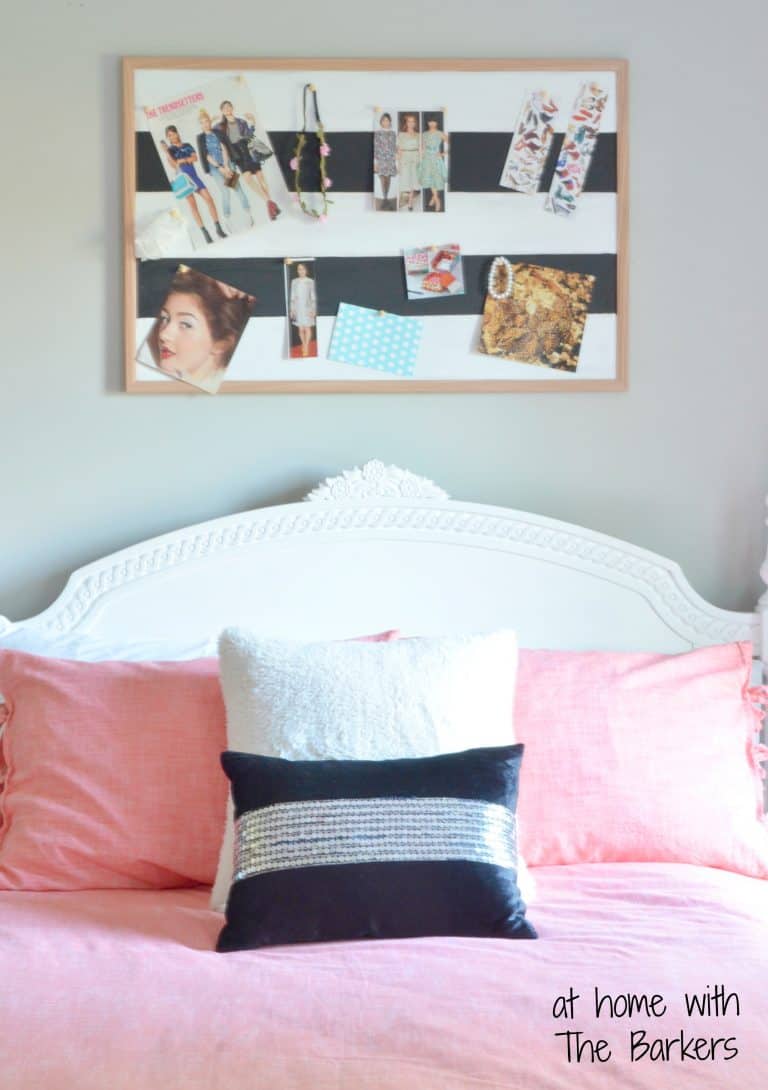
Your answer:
<point x="541" y="321"/>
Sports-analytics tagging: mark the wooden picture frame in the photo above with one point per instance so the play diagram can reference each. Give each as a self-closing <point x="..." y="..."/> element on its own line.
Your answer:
<point x="462" y="81"/>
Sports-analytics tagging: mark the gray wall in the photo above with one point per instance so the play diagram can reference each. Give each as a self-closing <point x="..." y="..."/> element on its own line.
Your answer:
<point x="678" y="464"/>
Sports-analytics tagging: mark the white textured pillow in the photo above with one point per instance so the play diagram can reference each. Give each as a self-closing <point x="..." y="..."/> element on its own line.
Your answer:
<point x="363" y="701"/>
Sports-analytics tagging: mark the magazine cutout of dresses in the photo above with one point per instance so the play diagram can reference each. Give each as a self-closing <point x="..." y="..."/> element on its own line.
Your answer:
<point x="410" y="160"/>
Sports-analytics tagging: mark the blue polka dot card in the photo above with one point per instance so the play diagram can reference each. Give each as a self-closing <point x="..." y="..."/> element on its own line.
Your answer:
<point x="376" y="339"/>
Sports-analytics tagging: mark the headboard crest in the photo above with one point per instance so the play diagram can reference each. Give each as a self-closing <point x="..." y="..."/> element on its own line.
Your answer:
<point x="375" y="481"/>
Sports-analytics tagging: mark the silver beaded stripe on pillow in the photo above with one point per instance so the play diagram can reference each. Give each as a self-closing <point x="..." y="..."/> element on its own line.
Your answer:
<point x="333" y="831"/>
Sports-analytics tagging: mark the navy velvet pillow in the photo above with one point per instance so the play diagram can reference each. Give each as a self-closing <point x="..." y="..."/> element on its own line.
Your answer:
<point x="332" y="850"/>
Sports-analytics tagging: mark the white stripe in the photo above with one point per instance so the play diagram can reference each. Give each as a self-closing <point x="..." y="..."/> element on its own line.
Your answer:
<point x="510" y="223"/>
<point x="447" y="353"/>
<point x="474" y="101"/>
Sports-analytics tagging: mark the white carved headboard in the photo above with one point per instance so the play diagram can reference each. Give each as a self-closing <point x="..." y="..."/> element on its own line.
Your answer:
<point x="380" y="548"/>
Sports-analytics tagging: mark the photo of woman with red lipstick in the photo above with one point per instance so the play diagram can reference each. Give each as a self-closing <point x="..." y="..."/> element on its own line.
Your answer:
<point x="197" y="329"/>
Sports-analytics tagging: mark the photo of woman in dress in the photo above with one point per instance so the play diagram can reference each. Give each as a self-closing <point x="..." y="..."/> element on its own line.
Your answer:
<point x="197" y="329"/>
<point x="384" y="162"/>
<point x="433" y="172"/>
<point x="302" y="307"/>
<point x="408" y="158"/>
<point x="182" y="158"/>
<point x="217" y="163"/>
<point x="238" y="135"/>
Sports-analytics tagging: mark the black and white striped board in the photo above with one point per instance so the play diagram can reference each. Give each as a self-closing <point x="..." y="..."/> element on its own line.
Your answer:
<point x="359" y="252"/>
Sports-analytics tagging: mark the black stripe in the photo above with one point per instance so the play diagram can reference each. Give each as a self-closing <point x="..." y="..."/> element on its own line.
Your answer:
<point x="367" y="281"/>
<point x="483" y="775"/>
<point x="478" y="159"/>
<point x="374" y="900"/>
<point x="476" y="162"/>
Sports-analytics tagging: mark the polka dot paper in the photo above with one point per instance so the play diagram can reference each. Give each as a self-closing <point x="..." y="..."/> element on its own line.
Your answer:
<point x="376" y="339"/>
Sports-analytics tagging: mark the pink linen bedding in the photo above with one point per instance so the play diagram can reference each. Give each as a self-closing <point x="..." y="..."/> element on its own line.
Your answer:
<point x="121" y="990"/>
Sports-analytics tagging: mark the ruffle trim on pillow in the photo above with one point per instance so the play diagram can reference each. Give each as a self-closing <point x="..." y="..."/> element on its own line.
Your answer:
<point x="757" y="695"/>
<point x="757" y="698"/>
<point x="5" y="715"/>
<point x="760" y="754"/>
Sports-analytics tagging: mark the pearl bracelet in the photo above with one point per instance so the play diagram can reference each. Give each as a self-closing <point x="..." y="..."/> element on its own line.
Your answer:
<point x="497" y="264"/>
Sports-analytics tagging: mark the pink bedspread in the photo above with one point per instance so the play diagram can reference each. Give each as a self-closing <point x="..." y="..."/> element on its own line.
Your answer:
<point x="122" y="991"/>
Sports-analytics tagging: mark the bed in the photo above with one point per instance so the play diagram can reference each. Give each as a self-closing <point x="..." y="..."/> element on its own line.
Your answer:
<point x="106" y="989"/>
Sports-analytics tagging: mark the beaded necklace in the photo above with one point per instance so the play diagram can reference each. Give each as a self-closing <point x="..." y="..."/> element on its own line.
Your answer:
<point x="501" y="265"/>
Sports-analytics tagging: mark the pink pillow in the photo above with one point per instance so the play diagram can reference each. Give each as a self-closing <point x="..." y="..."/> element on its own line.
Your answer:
<point x="112" y="773"/>
<point x="641" y="757"/>
<point x="112" y="777"/>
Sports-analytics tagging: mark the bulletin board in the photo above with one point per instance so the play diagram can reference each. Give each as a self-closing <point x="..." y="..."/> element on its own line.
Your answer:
<point x="466" y="225"/>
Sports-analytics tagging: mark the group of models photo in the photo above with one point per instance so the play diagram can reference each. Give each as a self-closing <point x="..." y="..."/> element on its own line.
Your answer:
<point x="410" y="160"/>
<point x="219" y="161"/>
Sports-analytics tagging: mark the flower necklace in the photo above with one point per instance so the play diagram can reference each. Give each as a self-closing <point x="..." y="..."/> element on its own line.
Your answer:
<point x="323" y="152"/>
<point x="501" y="265"/>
